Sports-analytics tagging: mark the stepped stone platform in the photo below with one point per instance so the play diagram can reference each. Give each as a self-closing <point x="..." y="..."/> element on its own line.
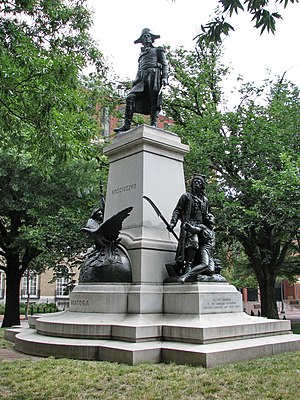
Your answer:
<point x="212" y="331"/>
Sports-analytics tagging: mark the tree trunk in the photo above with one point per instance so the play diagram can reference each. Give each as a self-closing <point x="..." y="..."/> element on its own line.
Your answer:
<point x="12" y="298"/>
<point x="28" y="293"/>
<point x="268" y="296"/>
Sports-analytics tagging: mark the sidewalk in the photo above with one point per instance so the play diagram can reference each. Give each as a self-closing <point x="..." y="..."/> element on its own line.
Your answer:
<point x="13" y="355"/>
<point x="10" y="354"/>
<point x="292" y="313"/>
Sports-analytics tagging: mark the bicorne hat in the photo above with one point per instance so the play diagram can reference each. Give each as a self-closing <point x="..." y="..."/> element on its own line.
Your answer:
<point x="146" y="30"/>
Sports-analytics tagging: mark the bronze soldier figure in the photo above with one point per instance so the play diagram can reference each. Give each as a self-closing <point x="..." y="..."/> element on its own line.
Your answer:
<point x="145" y="96"/>
<point x="192" y="209"/>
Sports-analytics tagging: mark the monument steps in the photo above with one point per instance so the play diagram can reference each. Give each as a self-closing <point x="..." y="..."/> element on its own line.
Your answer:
<point x="207" y="355"/>
<point x="207" y="328"/>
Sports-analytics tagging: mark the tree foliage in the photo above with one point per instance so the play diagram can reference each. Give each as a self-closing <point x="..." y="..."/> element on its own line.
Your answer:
<point x="44" y="45"/>
<point x="251" y="158"/>
<point x="195" y="93"/>
<point x="263" y="18"/>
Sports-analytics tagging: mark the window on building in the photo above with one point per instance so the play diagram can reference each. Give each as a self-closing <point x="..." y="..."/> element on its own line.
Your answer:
<point x="61" y="287"/>
<point x="32" y="287"/>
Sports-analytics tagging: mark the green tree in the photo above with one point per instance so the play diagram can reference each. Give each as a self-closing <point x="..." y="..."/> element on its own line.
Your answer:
<point x="251" y="158"/>
<point x="194" y="97"/>
<point x="46" y="124"/>
<point x="263" y="18"/>
<point x="40" y="216"/>
<point x="44" y="46"/>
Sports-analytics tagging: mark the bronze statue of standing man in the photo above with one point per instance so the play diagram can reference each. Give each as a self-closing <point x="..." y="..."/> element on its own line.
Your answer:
<point x="192" y="211"/>
<point x="145" y="96"/>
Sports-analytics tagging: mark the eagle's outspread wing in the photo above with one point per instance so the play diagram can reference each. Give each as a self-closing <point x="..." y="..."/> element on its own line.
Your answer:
<point x="111" y="228"/>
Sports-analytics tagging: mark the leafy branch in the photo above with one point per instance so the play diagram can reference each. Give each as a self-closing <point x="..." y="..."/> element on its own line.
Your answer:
<point x="264" y="19"/>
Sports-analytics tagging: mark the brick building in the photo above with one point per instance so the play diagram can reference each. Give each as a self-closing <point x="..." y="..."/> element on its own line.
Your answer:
<point x="41" y="289"/>
<point x="287" y="296"/>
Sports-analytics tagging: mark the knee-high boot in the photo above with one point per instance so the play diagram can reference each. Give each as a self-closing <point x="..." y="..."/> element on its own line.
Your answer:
<point x="153" y="116"/>
<point x="127" y="118"/>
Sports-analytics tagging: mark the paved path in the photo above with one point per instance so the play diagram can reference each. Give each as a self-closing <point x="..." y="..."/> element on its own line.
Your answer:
<point x="292" y="313"/>
<point x="12" y="355"/>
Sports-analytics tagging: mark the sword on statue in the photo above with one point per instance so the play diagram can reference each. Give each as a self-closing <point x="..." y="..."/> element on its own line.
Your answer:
<point x="159" y="214"/>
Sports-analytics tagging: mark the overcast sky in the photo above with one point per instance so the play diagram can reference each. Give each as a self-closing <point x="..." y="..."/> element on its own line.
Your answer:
<point x="118" y="23"/>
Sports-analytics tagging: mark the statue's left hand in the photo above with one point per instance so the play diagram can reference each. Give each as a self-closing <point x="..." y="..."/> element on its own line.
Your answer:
<point x="164" y="82"/>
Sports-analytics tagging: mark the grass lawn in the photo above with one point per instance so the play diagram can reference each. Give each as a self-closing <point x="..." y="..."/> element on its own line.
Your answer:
<point x="296" y="328"/>
<point x="275" y="378"/>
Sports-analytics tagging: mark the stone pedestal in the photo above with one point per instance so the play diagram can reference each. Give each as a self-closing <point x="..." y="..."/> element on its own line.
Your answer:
<point x="100" y="298"/>
<point x="146" y="161"/>
<point x="202" y="298"/>
<point x="117" y="298"/>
